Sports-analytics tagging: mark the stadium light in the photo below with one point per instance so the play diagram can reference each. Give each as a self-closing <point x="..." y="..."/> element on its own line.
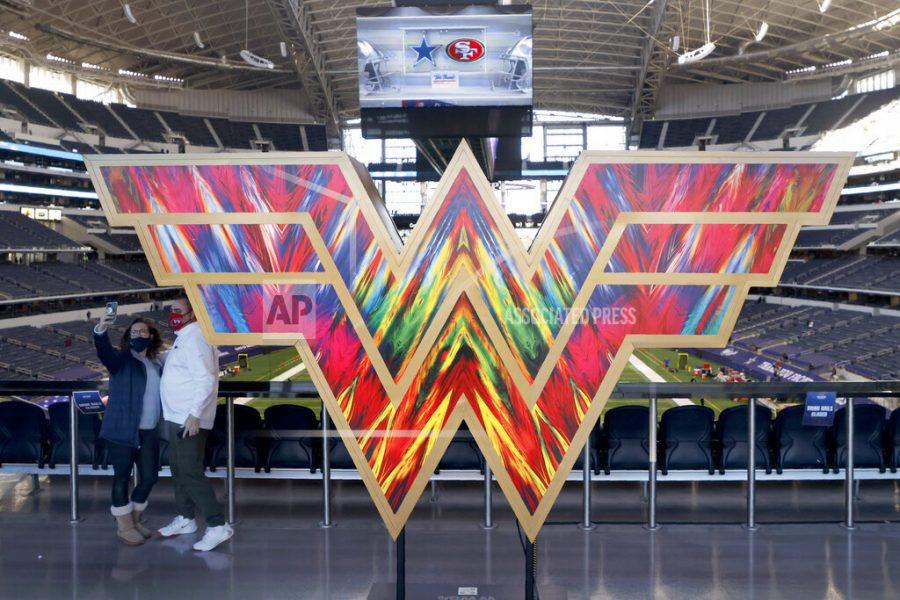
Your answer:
<point x="676" y="43"/>
<point x="761" y="32"/>
<point x="824" y="5"/>
<point x="198" y="41"/>
<point x="283" y="47"/>
<point x="126" y="8"/>
<point x="697" y="54"/>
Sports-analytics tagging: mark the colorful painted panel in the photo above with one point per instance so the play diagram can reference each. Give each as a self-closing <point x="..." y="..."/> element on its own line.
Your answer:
<point x="663" y="248"/>
<point x="464" y="323"/>
<point x="266" y="248"/>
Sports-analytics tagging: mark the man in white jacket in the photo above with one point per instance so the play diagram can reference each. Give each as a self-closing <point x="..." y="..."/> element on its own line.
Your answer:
<point x="188" y="389"/>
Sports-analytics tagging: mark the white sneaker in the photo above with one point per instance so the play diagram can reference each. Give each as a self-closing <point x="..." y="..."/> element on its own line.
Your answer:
<point x="213" y="537"/>
<point x="179" y="526"/>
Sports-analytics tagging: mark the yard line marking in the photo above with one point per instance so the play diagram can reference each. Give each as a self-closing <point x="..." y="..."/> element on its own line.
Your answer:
<point x="645" y="370"/>
<point x="290" y="372"/>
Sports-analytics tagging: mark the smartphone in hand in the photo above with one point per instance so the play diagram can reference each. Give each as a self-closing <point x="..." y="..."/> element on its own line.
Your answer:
<point x="112" y="308"/>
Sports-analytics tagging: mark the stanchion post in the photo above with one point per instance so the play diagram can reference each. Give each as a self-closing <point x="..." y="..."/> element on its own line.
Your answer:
<point x="401" y="565"/>
<point x="488" y="498"/>
<point x="586" y="524"/>
<point x="848" y="484"/>
<point x="73" y="461"/>
<point x="229" y="467"/>
<point x="651" y="466"/>
<point x="326" y="471"/>
<point x="751" y="464"/>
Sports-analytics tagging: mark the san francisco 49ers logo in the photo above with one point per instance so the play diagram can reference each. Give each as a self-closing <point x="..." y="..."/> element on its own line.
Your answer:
<point x="465" y="50"/>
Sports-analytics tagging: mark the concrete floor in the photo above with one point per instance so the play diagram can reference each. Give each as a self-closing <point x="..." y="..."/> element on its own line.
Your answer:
<point x="279" y="551"/>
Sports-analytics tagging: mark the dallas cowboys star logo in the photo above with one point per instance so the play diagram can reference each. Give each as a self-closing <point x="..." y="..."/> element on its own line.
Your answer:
<point x="424" y="52"/>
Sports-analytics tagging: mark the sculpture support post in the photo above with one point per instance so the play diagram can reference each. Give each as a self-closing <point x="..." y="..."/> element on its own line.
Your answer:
<point x="651" y="465"/>
<point x="586" y="488"/>
<point x="401" y="565"/>
<point x="488" y="498"/>
<point x="73" y="461"/>
<point x="751" y="465"/>
<point x="229" y="475"/>
<point x="326" y="471"/>
<point x="530" y="568"/>
<point x="848" y="484"/>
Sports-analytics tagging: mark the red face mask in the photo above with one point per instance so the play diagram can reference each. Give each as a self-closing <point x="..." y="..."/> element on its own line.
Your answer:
<point x="176" y="320"/>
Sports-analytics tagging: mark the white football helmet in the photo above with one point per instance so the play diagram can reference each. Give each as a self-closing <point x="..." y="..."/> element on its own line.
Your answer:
<point x="371" y="61"/>
<point x="518" y="66"/>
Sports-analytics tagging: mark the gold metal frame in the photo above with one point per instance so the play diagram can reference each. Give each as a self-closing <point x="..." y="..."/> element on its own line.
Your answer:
<point x="398" y="257"/>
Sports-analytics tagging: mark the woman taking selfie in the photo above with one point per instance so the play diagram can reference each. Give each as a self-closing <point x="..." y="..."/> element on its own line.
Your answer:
<point x="131" y="418"/>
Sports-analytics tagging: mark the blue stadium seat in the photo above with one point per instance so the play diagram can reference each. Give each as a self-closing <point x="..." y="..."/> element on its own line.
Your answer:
<point x="776" y="121"/>
<point x="594" y="442"/>
<point x="285" y="137"/>
<point x="650" y="132"/>
<point x="51" y="106"/>
<point x="289" y="444"/>
<point x="734" y="129"/>
<point x="97" y="114"/>
<point x="316" y="138"/>
<point x="247" y="425"/>
<point x="626" y="438"/>
<point x="338" y="455"/>
<point x="90" y="446"/>
<point x="682" y="132"/>
<point x="11" y="95"/>
<point x="192" y="128"/>
<point x="796" y="446"/>
<point x="685" y="435"/>
<point x="731" y="436"/>
<point x="23" y="433"/>
<point x="143" y="122"/>
<point x="826" y="114"/>
<point x="462" y="453"/>
<point x="868" y="429"/>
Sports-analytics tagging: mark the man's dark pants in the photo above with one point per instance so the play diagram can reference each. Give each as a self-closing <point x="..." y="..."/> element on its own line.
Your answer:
<point x="193" y="491"/>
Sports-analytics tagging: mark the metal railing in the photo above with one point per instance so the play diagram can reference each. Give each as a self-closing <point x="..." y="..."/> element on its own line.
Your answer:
<point x="650" y="391"/>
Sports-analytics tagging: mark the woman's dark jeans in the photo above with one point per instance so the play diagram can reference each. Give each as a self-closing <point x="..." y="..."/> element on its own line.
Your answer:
<point x="122" y="457"/>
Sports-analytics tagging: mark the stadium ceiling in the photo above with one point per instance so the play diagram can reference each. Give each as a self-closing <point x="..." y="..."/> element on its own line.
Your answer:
<point x="600" y="56"/>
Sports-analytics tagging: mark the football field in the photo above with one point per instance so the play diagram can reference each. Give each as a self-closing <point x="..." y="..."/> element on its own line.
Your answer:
<point x="284" y="364"/>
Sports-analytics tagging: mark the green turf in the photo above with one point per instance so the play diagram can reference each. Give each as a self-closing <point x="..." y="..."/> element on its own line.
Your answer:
<point x="265" y="367"/>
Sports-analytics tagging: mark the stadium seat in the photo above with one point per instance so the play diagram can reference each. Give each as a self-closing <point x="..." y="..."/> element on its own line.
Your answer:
<point x="247" y="425"/>
<point x="731" y="437"/>
<point x="685" y="435"/>
<point x="462" y="453"/>
<point x="594" y="442"/>
<point x="339" y="456"/>
<point x="626" y="438"/>
<point x="289" y="445"/>
<point x="868" y="430"/>
<point x="90" y="446"/>
<point x="23" y="433"/>
<point x="893" y="439"/>
<point x="796" y="446"/>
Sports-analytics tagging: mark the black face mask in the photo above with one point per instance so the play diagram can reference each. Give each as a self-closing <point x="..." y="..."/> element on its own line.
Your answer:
<point x="139" y="344"/>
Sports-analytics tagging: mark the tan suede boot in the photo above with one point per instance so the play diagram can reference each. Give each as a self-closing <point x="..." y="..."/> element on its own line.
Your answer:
<point x="125" y="530"/>
<point x="139" y="525"/>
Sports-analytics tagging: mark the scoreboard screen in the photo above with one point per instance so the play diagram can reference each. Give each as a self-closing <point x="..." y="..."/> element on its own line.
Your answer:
<point x="445" y="71"/>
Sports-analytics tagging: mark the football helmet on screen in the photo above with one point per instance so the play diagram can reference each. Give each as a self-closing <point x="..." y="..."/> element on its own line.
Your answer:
<point x="517" y="61"/>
